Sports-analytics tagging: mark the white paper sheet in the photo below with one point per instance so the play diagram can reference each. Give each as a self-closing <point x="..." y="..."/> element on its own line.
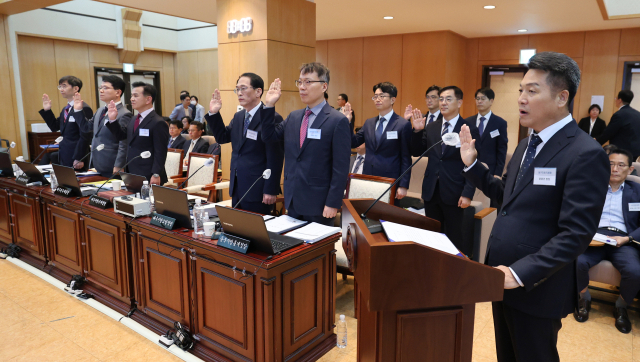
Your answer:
<point x="399" y="232"/>
<point x="313" y="232"/>
<point x="605" y="239"/>
<point x="283" y="224"/>
<point x="599" y="100"/>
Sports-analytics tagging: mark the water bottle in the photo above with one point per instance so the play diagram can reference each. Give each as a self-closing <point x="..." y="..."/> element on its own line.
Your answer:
<point x="144" y="191"/>
<point x="198" y="214"/>
<point x="53" y="180"/>
<point x="342" y="332"/>
<point x="152" y="206"/>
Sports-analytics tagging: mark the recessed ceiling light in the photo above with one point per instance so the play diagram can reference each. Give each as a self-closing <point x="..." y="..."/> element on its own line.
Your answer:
<point x="388" y="18"/>
<point x="489" y="7"/>
<point x="522" y="30"/>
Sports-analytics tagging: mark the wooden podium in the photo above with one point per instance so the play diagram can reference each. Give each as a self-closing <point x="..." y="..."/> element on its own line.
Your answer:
<point x="413" y="303"/>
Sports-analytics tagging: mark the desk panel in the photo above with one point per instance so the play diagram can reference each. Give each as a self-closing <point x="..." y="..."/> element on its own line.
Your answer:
<point x="6" y="235"/>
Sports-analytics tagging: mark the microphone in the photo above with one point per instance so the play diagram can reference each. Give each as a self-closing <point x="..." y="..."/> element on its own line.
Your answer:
<point x="450" y="139"/>
<point x="208" y="163"/>
<point x="145" y="154"/>
<point x="98" y="148"/>
<point x="57" y="140"/>
<point x="9" y="145"/>
<point x="265" y="175"/>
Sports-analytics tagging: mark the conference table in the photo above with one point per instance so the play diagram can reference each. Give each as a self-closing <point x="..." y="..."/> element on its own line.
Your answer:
<point x="239" y="307"/>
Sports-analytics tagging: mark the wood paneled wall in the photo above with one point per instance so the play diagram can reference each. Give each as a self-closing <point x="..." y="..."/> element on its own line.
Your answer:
<point x="9" y="127"/>
<point x="197" y="72"/>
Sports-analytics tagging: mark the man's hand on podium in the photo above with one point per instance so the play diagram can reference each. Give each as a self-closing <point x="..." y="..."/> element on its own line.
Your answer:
<point x="510" y="281"/>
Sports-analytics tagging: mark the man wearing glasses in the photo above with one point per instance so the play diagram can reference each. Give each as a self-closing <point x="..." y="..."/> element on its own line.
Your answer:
<point x="250" y="155"/>
<point x="445" y="191"/>
<point x="114" y="155"/>
<point x="316" y="145"/>
<point x="70" y="148"/>
<point x="432" y="98"/>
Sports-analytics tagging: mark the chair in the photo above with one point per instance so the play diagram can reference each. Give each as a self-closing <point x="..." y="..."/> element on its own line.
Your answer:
<point x="207" y="176"/>
<point x="210" y="139"/>
<point x="172" y="165"/>
<point x="185" y="136"/>
<point x="417" y="176"/>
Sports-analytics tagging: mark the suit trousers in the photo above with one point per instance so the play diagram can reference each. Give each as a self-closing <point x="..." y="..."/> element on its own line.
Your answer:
<point x="311" y="218"/>
<point x="521" y="337"/>
<point x="248" y="204"/>
<point x="451" y="217"/>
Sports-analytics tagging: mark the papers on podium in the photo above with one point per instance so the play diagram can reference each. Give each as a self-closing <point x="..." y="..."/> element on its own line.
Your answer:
<point x="313" y="232"/>
<point x="604" y="239"/>
<point x="283" y="223"/>
<point x="399" y="232"/>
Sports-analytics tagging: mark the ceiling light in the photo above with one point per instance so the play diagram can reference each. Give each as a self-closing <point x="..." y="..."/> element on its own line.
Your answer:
<point x="489" y="7"/>
<point x="522" y="30"/>
<point x="388" y="18"/>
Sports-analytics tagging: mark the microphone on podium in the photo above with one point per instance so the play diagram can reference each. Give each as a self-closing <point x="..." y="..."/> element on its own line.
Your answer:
<point x="265" y="175"/>
<point x="207" y="163"/>
<point x="57" y="140"/>
<point x="374" y="226"/>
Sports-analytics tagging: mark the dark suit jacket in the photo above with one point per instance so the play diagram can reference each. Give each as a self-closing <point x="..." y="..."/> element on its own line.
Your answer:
<point x="315" y="174"/>
<point x="201" y="146"/>
<point x="249" y="158"/>
<point x="70" y="147"/>
<point x="178" y="143"/>
<point x="156" y="143"/>
<point x="623" y="131"/>
<point x="631" y="194"/>
<point x="492" y="150"/>
<point x="541" y="230"/>
<point x="598" y="127"/>
<point x="446" y="167"/>
<point x="391" y="157"/>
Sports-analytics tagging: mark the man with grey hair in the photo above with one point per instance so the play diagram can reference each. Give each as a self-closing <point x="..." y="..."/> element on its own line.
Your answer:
<point x="552" y="197"/>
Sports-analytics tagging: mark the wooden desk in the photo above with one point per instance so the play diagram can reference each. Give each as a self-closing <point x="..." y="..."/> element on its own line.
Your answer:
<point x="280" y="309"/>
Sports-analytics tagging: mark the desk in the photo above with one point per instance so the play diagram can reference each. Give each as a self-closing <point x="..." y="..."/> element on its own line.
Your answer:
<point x="281" y="309"/>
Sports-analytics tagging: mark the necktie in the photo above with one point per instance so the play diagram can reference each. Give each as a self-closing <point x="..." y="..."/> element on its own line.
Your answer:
<point x="170" y="142"/>
<point x="193" y="143"/>
<point x="247" y="120"/>
<point x="304" y="126"/>
<point x="445" y="130"/>
<point x="529" y="156"/>
<point x="379" y="129"/>
<point x="431" y="118"/>
<point x="66" y="112"/>
<point x="104" y="114"/>
<point x="137" y="122"/>
<point x="481" y="126"/>
<point x="356" y="167"/>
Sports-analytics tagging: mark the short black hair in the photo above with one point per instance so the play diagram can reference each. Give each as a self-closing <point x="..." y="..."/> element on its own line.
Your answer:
<point x="320" y="69"/>
<point x="197" y="124"/>
<point x="147" y="89"/>
<point x="344" y="96"/>
<point x="176" y="123"/>
<point x="326" y="95"/>
<point x="184" y="96"/>
<point x="624" y="152"/>
<point x="564" y="72"/>
<point x="609" y="148"/>
<point x="184" y="92"/>
<point x="196" y="98"/>
<point x="189" y="119"/>
<point x="431" y="89"/>
<point x="116" y="82"/>
<point x="255" y="80"/>
<point x="72" y="81"/>
<point x="456" y="91"/>
<point x="386" y="87"/>
<point x="626" y="96"/>
<point x="488" y="92"/>
<point x="168" y="120"/>
<point x="595" y="106"/>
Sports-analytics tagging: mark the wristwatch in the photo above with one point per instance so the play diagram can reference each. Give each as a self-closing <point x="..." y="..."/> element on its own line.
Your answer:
<point x="630" y="238"/>
<point x="155" y="175"/>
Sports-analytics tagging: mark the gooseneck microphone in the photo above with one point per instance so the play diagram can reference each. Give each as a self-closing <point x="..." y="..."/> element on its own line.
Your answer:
<point x="210" y="161"/>
<point x="98" y="148"/>
<point x="57" y="140"/>
<point x="265" y="175"/>
<point x="145" y="154"/>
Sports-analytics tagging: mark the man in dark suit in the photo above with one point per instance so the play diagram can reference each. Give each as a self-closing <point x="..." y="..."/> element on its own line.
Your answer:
<point x="70" y="149"/>
<point x="593" y="125"/>
<point x="444" y="190"/>
<point x="342" y="101"/>
<point x="356" y="162"/>
<point x="624" y="128"/>
<point x="112" y="158"/>
<point x="552" y="197"/>
<point x="250" y="155"/>
<point x="197" y="144"/>
<point x="316" y="148"/>
<point x="175" y="138"/>
<point x="387" y="136"/>
<point x="620" y="221"/>
<point x="432" y="99"/>
<point x="145" y="132"/>
<point x="492" y="144"/>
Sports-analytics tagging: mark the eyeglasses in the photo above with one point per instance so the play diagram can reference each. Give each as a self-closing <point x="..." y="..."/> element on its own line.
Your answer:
<point x="103" y="88"/>
<point x="432" y="97"/>
<point x="307" y="82"/>
<point x="241" y="89"/>
<point x="381" y="96"/>
<point x="481" y="99"/>
<point x="447" y="100"/>
<point x="63" y="86"/>
<point x="621" y="166"/>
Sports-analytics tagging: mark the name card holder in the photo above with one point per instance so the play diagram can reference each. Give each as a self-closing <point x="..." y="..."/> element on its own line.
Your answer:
<point x="23" y="180"/>
<point x="63" y="191"/>
<point x="234" y="243"/>
<point x="163" y="221"/>
<point x="100" y="202"/>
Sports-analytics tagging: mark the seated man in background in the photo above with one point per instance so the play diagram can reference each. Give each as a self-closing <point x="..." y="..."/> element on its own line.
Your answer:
<point x="620" y="220"/>
<point x="183" y="109"/>
<point x="175" y="140"/>
<point x="197" y="144"/>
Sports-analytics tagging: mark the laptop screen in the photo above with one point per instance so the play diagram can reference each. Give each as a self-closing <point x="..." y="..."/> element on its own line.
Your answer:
<point x="245" y="225"/>
<point x="173" y="203"/>
<point x="132" y="182"/>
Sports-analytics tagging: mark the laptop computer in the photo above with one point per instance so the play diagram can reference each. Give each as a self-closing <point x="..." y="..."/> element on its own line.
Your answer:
<point x="66" y="176"/>
<point x="6" y="168"/>
<point x="32" y="172"/>
<point x="173" y="203"/>
<point x="251" y="226"/>
<point x="132" y="182"/>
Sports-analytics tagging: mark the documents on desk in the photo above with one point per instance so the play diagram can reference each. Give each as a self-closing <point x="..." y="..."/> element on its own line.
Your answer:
<point x="313" y="232"/>
<point x="417" y="211"/>
<point x="42" y="168"/>
<point x="604" y="239"/>
<point x="399" y="232"/>
<point x="283" y="223"/>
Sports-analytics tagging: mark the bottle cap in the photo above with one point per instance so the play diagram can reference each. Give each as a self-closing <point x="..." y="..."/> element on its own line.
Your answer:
<point x="341" y="317"/>
<point x="198" y="201"/>
<point x="145" y="182"/>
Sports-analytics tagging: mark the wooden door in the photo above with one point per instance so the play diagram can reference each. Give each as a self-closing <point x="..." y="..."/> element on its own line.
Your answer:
<point x="26" y="223"/>
<point x="506" y="86"/>
<point x="64" y="239"/>
<point x="6" y="235"/>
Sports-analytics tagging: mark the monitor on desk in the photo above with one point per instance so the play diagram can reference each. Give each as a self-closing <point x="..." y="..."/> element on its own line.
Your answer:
<point x="32" y="172"/>
<point x="66" y="176"/>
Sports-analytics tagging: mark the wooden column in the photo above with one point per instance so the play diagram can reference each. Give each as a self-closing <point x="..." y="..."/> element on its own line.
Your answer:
<point x="132" y="32"/>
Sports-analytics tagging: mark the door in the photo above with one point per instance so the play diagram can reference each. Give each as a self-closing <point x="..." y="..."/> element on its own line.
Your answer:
<point x="631" y="81"/>
<point x="26" y="225"/>
<point x="505" y="82"/>
<point x="5" y="218"/>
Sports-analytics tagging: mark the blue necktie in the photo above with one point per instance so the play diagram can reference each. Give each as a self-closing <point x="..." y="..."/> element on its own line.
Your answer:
<point x="430" y="119"/>
<point x="481" y="126"/>
<point x="379" y="129"/>
<point x="445" y="130"/>
<point x="247" y="120"/>
<point x="356" y="167"/>
<point x="534" y="142"/>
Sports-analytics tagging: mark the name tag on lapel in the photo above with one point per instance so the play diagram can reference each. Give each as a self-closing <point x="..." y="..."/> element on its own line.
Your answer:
<point x="71" y="119"/>
<point x="313" y="133"/>
<point x="495" y="133"/>
<point x="252" y="135"/>
<point x="634" y="206"/>
<point x="144" y="132"/>
<point x="392" y="135"/>
<point x="545" y="176"/>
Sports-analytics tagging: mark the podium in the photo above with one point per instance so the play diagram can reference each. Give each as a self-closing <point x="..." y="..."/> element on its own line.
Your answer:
<point x="413" y="303"/>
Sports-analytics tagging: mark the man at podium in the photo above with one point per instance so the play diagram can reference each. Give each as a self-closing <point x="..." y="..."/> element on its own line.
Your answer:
<point x="551" y="198"/>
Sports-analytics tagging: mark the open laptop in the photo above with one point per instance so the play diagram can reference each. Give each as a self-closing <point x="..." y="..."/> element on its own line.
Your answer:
<point x="66" y="176"/>
<point x="32" y="172"/>
<point x="132" y="182"/>
<point x="173" y="203"/>
<point x="6" y="168"/>
<point x="251" y="226"/>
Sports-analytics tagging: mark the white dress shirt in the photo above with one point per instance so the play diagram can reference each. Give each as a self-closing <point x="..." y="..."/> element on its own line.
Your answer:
<point x="355" y="163"/>
<point x="484" y="123"/>
<point x="435" y="116"/>
<point x="387" y="117"/>
<point x="612" y="215"/>
<point x="452" y="124"/>
<point x="593" y="121"/>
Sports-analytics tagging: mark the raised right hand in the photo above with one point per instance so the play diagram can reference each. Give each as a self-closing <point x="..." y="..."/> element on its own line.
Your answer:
<point x="346" y="110"/>
<point x="46" y="102"/>
<point x="112" y="111"/>
<point x="468" y="151"/>
<point x="417" y="120"/>
<point x="408" y="112"/>
<point x="216" y="102"/>
<point x="77" y="102"/>
<point x="274" y="93"/>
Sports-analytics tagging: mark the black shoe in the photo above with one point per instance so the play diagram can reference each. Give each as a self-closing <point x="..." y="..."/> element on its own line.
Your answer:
<point x="581" y="313"/>
<point x="622" y="320"/>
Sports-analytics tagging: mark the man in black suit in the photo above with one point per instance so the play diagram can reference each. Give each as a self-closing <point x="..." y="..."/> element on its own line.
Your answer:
<point x="145" y="132"/>
<point x="620" y="221"/>
<point x="197" y="144"/>
<point x="445" y="191"/>
<point x="70" y="150"/>
<point x="250" y="155"/>
<point x="492" y="144"/>
<point x="432" y="99"/>
<point x="175" y="138"/>
<point x="624" y="128"/>
<point x="552" y="197"/>
<point x="387" y="136"/>
<point x="593" y="125"/>
<point x="342" y="101"/>
<point x="316" y="148"/>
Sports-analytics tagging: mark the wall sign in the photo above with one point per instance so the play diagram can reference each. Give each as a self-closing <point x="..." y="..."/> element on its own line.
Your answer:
<point x="243" y="25"/>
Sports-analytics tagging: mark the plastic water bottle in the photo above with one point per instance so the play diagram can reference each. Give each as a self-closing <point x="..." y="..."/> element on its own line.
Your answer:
<point x="152" y="206"/>
<point x="53" y="181"/>
<point x="144" y="191"/>
<point x="198" y="214"/>
<point x="342" y="332"/>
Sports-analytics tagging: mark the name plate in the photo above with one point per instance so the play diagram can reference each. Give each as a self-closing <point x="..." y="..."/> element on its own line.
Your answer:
<point x="233" y="243"/>
<point x="100" y="202"/>
<point x="22" y="180"/>
<point x="63" y="191"/>
<point x="162" y="221"/>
